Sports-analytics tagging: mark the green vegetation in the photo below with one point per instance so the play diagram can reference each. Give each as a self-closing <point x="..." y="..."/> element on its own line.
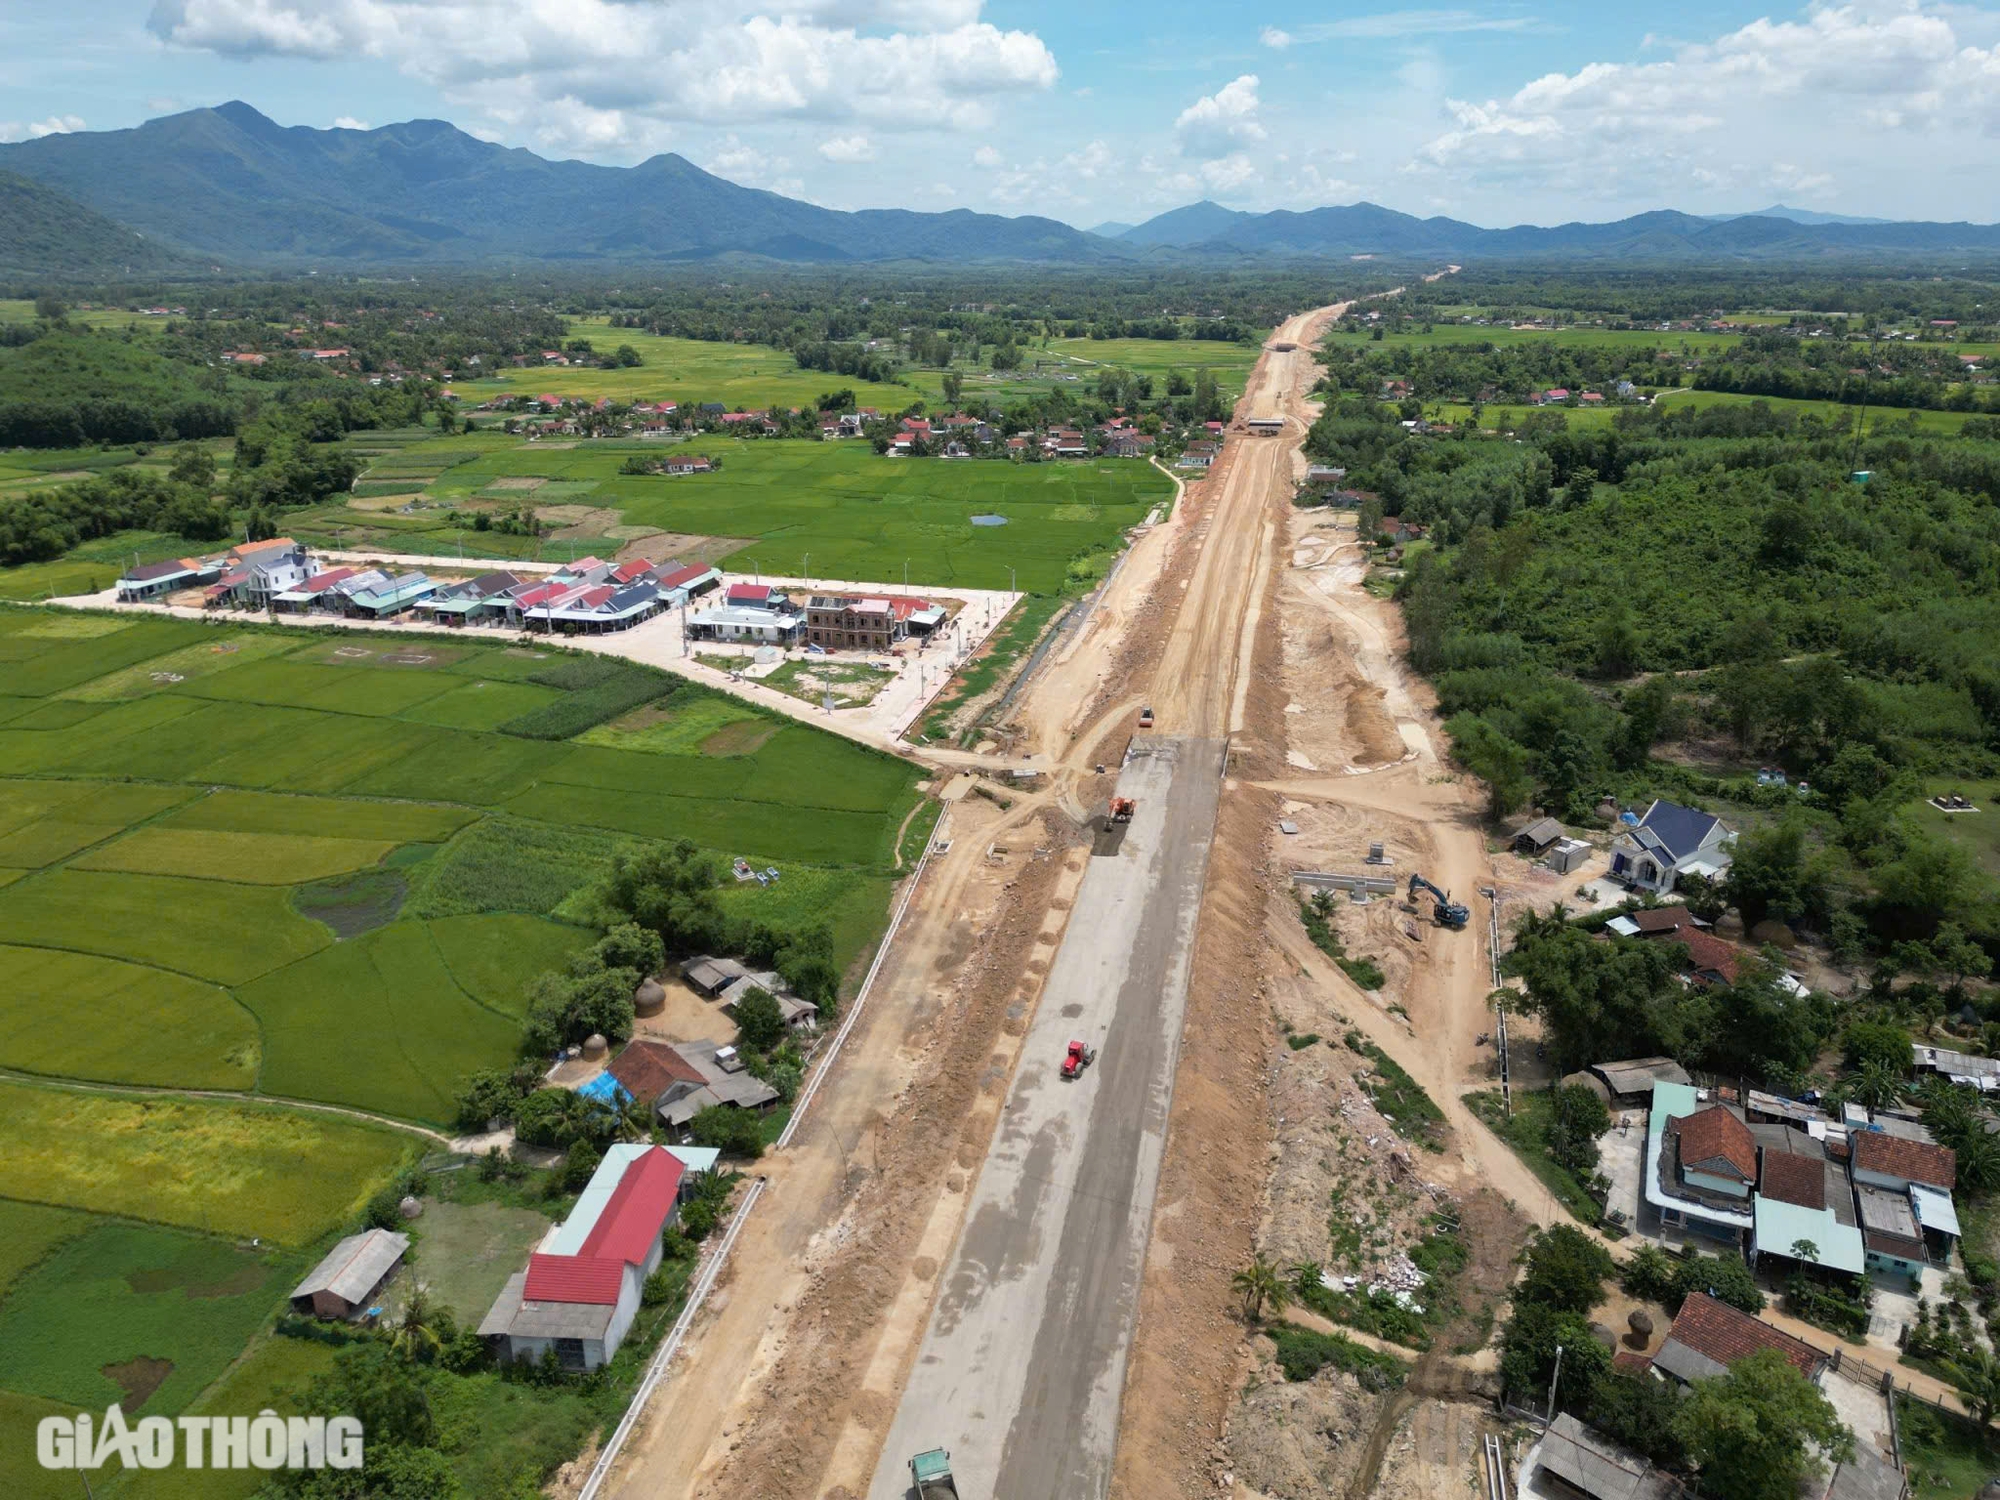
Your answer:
<point x="29" y="1231"/>
<point x="1304" y="1352"/>
<point x="147" y="1025"/>
<point x="135" y="1314"/>
<point x="1003" y="652"/>
<point x="1532" y="1131"/>
<point x="238" y="1170"/>
<point x="1398" y="1097"/>
<point x="1316" y="912"/>
<point x="1945" y="1455"/>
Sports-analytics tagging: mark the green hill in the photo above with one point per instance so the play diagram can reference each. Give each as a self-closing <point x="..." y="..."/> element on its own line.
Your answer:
<point x="70" y="388"/>
<point x="44" y="233"/>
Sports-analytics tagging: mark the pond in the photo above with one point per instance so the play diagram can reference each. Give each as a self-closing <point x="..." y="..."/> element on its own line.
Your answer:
<point x="989" y="520"/>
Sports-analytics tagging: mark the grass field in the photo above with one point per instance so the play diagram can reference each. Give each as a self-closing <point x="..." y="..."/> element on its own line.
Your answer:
<point x="229" y="1169"/>
<point x="26" y="1479"/>
<point x="688" y="371"/>
<point x="29" y="1231"/>
<point x="1978" y="833"/>
<point x="469" y="1250"/>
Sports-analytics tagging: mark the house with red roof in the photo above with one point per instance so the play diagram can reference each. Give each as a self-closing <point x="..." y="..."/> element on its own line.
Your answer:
<point x="583" y="1283"/>
<point x="1708" y="1337"/>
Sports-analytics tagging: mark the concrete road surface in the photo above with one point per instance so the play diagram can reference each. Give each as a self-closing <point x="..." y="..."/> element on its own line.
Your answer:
<point x="1022" y="1366"/>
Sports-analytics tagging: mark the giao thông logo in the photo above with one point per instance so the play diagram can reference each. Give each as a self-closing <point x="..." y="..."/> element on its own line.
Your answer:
<point x="265" y="1441"/>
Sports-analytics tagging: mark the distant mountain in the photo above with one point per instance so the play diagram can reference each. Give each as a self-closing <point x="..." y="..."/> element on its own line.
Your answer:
<point x="1110" y="229"/>
<point x="230" y="183"/>
<point x="1368" y="229"/>
<point x="1193" y="225"/>
<point x="45" y="233"/>
<point x="227" y="184"/>
<point x="1811" y="216"/>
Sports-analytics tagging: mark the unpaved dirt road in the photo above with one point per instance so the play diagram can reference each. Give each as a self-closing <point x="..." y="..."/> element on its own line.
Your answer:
<point x="1022" y="1368"/>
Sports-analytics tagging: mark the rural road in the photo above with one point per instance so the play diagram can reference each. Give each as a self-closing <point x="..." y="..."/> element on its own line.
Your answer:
<point x="1021" y="1369"/>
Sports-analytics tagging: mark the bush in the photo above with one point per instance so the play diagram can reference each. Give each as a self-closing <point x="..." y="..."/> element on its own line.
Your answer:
<point x="1577" y="1119"/>
<point x="1567" y="1270"/>
<point x="1304" y="1352"/>
<point x="579" y="1163"/>
<point x="733" y="1131"/>
<point x="1652" y="1275"/>
<point x="660" y="1287"/>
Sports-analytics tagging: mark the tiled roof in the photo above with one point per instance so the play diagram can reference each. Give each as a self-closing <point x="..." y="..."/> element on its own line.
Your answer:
<point x="1708" y="954"/>
<point x="648" y="1068"/>
<point x="1794" y="1179"/>
<point x="1722" y="1333"/>
<point x="1915" y="1161"/>
<point x="685" y="575"/>
<point x="574" y="1278"/>
<point x="1714" y="1137"/>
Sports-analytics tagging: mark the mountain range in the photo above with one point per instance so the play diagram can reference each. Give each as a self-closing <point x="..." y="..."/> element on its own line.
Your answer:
<point x="229" y="185"/>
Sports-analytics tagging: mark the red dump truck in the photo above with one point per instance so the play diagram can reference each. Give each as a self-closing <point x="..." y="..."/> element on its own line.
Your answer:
<point x="1122" y="809"/>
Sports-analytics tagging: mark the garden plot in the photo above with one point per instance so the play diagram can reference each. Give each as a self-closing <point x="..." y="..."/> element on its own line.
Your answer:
<point x="850" y="684"/>
<point x="253" y="858"/>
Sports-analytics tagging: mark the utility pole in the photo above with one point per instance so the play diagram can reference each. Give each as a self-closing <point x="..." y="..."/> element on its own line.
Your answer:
<point x="1552" y="1389"/>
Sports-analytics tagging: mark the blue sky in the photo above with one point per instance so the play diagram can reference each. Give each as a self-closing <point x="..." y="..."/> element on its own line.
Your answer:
<point x="1107" y="109"/>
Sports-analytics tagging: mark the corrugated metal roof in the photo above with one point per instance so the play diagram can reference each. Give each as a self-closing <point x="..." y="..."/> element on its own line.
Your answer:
<point x="353" y="1267"/>
<point x="1782" y="1225"/>
<point x="638" y="1209"/>
<point x="1934" y="1209"/>
<point x="1595" y="1465"/>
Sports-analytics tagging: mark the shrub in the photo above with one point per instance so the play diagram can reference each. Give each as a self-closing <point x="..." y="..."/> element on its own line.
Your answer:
<point x="1566" y="1270"/>
<point x="733" y="1131"/>
<point x="1304" y="1352"/>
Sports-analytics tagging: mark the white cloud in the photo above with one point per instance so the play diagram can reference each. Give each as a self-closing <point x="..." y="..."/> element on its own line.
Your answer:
<point x="14" y="130"/>
<point x="1847" y="91"/>
<point x="162" y="104"/>
<point x="348" y="122"/>
<point x="1218" y="124"/>
<point x="848" y="149"/>
<point x="615" y="72"/>
<point x="1275" y="39"/>
<point x="1090" y="162"/>
<point x="987" y="156"/>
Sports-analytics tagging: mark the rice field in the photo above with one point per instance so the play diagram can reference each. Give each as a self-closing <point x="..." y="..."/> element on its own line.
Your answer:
<point x="178" y="824"/>
<point x="138" y="1315"/>
<point x="831" y="510"/>
<point x="144" y="1025"/>
<point x="240" y="1170"/>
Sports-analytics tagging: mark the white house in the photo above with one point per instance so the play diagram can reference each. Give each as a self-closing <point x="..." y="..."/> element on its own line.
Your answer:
<point x="582" y="1287"/>
<point x="1667" y="842"/>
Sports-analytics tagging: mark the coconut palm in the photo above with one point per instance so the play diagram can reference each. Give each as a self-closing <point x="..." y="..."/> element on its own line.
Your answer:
<point x="1978" y="1153"/>
<point x="1306" y="1275"/>
<point x="1976" y="1374"/>
<point x="1879" y="1085"/>
<point x="415" y="1335"/>
<point x="1259" y="1284"/>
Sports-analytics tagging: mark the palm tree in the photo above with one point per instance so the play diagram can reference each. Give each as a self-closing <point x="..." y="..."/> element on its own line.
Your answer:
<point x="416" y="1334"/>
<point x="1978" y="1155"/>
<point x="1976" y="1373"/>
<point x="1306" y="1276"/>
<point x="1879" y="1085"/>
<point x="635" y="1121"/>
<point x="1259" y="1283"/>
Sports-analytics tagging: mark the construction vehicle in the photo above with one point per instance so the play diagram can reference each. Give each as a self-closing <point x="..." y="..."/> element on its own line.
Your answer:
<point x="1077" y="1058"/>
<point x="1146" y="718"/>
<point x="930" y="1476"/>
<point x="1122" y="809"/>
<point x="1448" y="913"/>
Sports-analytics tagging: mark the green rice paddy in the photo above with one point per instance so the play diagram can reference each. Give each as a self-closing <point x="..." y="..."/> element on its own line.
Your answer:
<point x="254" y="861"/>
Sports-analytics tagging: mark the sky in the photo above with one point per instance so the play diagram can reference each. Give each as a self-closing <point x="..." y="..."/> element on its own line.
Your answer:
<point x="1095" y="110"/>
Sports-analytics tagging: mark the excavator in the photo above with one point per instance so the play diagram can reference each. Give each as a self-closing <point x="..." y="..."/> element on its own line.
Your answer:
<point x="1447" y="913"/>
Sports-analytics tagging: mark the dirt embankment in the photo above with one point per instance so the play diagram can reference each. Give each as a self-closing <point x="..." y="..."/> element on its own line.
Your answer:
<point x="929" y="1144"/>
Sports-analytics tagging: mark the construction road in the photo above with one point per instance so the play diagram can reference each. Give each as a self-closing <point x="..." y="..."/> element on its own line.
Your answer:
<point x="1020" y="1371"/>
<point x="1021" y="1368"/>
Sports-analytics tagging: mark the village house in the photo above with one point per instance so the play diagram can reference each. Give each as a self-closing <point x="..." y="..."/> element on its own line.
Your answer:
<point x="583" y="1284"/>
<point x="1651" y="851"/>
<point x="838" y="622"/>
<point x="678" y="1080"/>
<point x="349" y="1279"/>
<point x="746" y="624"/>
<point x="154" y="580"/>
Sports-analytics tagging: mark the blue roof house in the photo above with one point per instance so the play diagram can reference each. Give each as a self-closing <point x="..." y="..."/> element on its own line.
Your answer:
<point x="1652" y="851"/>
